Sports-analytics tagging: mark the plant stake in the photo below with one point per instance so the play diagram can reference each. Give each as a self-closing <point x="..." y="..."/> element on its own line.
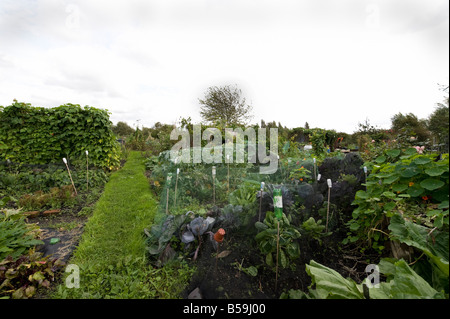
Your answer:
<point x="260" y="200"/>
<point x="280" y="166"/>
<point x="176" y="185"/>
<point x="218" y="237"/>
<point x="214" y="184"/>
<point x="68" y="170"/>
<point x="228" y="174"/>
<point x="365" y="174"/>
<point x="169" y="179"/>
<point x="278" y="210"/>
<point x="314" y="160"/>
<point x="328" y="206"/>
<point x="87" y="170"/>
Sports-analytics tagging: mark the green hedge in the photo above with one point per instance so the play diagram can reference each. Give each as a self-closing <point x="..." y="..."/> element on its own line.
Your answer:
<point x="38" y="135"/>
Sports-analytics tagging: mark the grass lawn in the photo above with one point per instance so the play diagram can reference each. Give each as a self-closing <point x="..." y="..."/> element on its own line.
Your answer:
<point x="111" y="253"/>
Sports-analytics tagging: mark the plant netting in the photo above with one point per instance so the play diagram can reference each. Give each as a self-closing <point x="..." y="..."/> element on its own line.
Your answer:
<point x="232" y="198"/>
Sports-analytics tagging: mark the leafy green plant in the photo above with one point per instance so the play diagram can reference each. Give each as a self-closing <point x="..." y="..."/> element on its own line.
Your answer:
<point x="314" y="229"/>
<point x="21" y="278"/>
<point x="300" y="174"/>
<point x="402" y="282"/>
<point x="38" y="135"/>
<point x="251" y="270"/>
<point x="16" y="236"/>
<point x="433" y="243"/>
<point x="289" y="249"/>
<point x="245" y="194"/>
<point x="405" y="181"/>
<point x="195" y="230"/>
<point x="159" y="235"/>
<point x="318" y="141"/>
<point x="231" y="217"/>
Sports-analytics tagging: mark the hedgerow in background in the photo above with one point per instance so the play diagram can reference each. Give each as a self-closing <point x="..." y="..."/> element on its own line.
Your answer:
<point x="39" y="135"/>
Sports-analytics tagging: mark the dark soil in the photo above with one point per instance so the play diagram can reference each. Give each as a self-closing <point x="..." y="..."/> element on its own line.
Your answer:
<point x="67" y="227"/>
<point x="226" y="281"/>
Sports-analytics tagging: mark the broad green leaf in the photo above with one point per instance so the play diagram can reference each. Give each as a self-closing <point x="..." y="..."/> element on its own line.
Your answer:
<point x="443" y="205"/>
<point x="269" y="259"/>
<point x="283" y="259"/>
<point x="436" y="247"/>
<point x="403" y="283"/>
<point x="389" y="206"/>
<point x="361" y="195"/>
<point x="399" y="187"/>
<point x="410" y="151"/>
<point x="293" y="250"/>
<point x="261" y="226"/>
<point x="391" y="179"/>
<point x="252" y="271"/>
<point x="410" y="172"/>
<point x="380" y="159"/>
<point x="389" y="194"/>
<point x="330" y="284"/>
<point x="422" y="160"/>
<point x="431" y="184"/>
<point x="434" y="171"/>
<point x="415" y="191"/>
<point x="393" y="153"/>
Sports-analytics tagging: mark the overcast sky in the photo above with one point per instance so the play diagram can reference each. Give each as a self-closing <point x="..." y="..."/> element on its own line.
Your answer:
<point x="329" y="63"/>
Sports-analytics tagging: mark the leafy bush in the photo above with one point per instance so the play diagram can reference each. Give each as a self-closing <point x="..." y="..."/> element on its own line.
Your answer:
<point x="38" y="135"/>
<point x="405" y="181"/>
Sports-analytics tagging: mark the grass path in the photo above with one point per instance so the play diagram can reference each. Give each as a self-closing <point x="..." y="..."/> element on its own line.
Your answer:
<point x="111" y="253"/>
<point x="124" y="210"/>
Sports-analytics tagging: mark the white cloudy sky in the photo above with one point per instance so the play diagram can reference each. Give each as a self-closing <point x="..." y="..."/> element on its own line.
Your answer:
<point x="329" y="63"/>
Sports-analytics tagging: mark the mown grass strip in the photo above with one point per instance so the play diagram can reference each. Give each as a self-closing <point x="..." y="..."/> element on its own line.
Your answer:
<point x="111" y="253"/>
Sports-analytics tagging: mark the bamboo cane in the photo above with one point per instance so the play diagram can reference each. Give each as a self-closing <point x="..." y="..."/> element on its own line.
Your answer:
<point x="278" y="249"/>
<point x="87" y="170"/>
<point x="260" y="201"/>
<point x="176" y="186"/>
<point x="228" y="174"/>
<point x="328" y="206"/>
<point x="68" y="170"/>
<point x="214" y="184"/>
